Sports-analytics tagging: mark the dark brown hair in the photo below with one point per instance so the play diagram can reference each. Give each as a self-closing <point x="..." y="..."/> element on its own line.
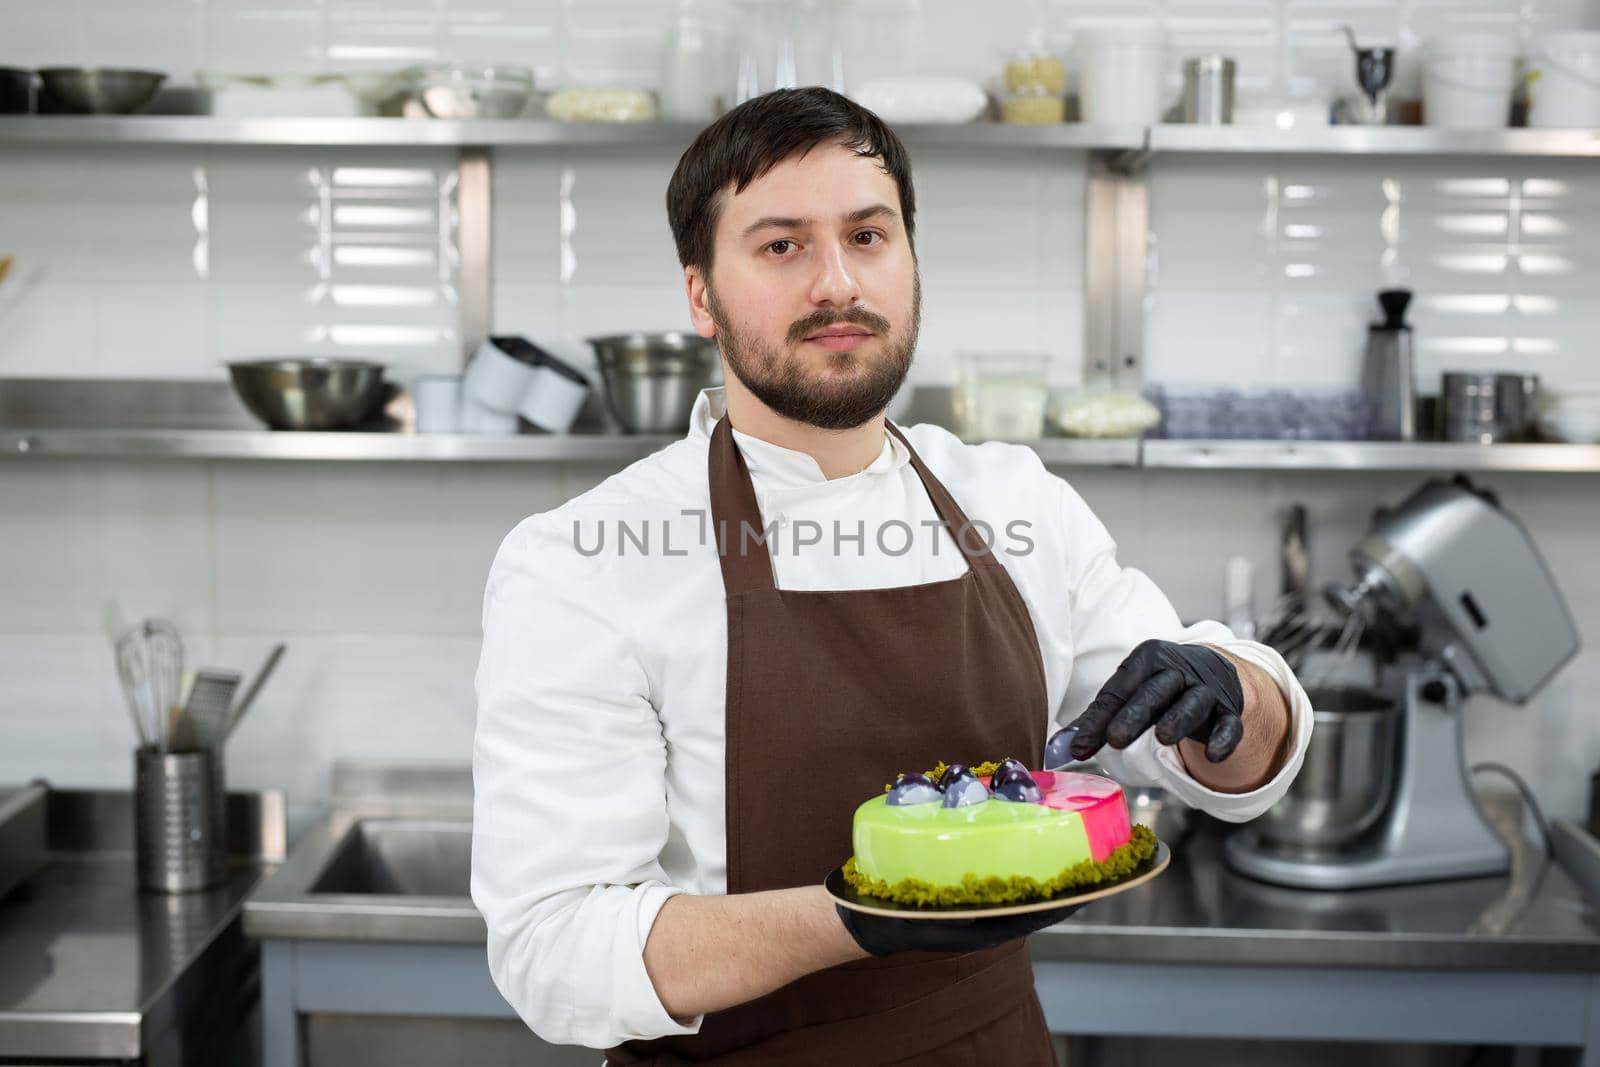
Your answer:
<point x="756" y="136"/>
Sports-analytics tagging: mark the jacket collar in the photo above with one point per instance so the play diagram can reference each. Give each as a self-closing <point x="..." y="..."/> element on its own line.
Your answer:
<point x="778" y="467"/>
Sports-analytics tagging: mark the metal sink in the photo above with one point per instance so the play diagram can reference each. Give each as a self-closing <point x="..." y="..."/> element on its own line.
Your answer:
<point x="392" y="862"/>
<point x="404" y="858"/>
<point x="22" y="833"/>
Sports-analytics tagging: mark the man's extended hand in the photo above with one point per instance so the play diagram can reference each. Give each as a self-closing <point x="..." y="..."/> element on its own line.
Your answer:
<point x="883" y="936"/>
<point x="1182" y="690"/>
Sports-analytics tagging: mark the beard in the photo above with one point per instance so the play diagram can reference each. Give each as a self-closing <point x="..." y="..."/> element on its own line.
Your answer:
<point x="785" y="382"/>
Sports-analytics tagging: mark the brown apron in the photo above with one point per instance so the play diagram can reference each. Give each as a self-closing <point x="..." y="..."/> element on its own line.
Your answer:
<point x="829" y="694"/>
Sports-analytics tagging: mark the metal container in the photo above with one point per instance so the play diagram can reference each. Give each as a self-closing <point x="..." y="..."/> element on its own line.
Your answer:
<point x="16" y="90"/>
<point x="455" y="92"/>
<point x="309" y="394"/>
<point x="1344" y="785"/>
<point x="179" y="825"/>
<point x="97" y="90"/>
<point x="652" y="379"/>
<point x="1388" y="371"/>
<point x="1487" y="408"/>
<point x="1208" y="90"/>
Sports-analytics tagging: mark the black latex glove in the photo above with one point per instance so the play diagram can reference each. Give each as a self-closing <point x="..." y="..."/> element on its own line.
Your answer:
<point x="883" y="936"/>
<point x="1182" y="690"/>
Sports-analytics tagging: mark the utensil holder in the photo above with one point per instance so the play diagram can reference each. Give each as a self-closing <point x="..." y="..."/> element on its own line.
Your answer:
<point x="179" y="826"/>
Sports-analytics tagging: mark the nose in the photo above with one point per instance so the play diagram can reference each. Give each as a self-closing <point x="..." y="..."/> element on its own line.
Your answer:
<point x="834" y="285"/>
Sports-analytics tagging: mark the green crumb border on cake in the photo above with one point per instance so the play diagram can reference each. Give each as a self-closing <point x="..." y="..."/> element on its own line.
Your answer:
<point x="1123" y="862"/>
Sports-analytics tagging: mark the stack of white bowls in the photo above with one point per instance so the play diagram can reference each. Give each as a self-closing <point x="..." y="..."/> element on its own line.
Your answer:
<point x="507" y="379"/>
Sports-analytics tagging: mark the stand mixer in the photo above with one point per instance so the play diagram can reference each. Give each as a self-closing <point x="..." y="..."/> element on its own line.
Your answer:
<point x="1453" y="567"/>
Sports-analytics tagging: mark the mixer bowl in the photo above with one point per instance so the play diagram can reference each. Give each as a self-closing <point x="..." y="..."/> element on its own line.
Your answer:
<point x="1344" y="785"/>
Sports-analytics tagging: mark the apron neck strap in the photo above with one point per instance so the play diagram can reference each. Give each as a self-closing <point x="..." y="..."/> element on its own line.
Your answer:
<point x="969" y="538"/>
<point x="741" y="537"/>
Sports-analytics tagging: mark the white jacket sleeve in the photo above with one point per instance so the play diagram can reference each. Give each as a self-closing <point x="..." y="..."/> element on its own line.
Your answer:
<point x="1114" y="608"/>
<point x="569" y="806"/>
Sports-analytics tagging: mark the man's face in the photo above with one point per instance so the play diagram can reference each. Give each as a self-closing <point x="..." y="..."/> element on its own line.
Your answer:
<point x="814" y="297"/>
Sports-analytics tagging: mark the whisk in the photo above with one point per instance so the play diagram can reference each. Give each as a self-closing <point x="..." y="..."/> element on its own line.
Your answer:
<point x="150" y="667"/>
<point x="1344" y="648"/>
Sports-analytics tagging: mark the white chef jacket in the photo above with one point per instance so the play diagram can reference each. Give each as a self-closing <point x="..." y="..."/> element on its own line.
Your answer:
<point x="598" y="758"/>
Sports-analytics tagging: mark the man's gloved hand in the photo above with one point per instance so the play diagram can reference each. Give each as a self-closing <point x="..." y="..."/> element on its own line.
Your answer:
<point x="883" y="936"/>
<point x="1183" y="690"/>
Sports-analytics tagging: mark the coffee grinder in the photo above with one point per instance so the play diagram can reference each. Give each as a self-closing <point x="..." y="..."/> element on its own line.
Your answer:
<point x="1454" y="568"/>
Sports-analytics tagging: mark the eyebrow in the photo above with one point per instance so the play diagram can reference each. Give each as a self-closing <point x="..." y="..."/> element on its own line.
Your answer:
<point x="786" y="222"/>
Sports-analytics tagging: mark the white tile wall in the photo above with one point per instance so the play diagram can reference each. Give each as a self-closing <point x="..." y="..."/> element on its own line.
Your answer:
<point x="170" y="260"/>
<point x="1280" y="260"/>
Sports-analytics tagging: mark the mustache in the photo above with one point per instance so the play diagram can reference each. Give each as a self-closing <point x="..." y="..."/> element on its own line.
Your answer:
<point x="822" y="319"/>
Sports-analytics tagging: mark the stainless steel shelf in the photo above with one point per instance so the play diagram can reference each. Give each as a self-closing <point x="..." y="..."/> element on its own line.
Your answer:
<point x="538" y="133"/>
<point x="35" y="442"/>
<point x="208" y="130"/>
<point x="201" y="444"/>
<point x="1374" y="140"/>
<point x="1074" y="452"/>
<point x="508" y="133"/>
<point x="178" y="419"/>
<point x="146" y="443"/>
<point x="1368" y="456"/>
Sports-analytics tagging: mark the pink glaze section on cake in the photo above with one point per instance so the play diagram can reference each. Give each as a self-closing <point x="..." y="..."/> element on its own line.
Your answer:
<point x="1100" y="802"/>
<point x="1097" y="800"/>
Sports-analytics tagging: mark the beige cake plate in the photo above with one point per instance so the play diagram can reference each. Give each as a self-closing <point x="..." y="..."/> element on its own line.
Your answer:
<point x="846" y="897"/>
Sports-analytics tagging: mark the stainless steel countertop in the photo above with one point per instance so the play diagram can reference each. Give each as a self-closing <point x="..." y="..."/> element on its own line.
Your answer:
<point x="1200" y="912"/>
<point x="90" y="967"/>
<point x="1197" y="912"/>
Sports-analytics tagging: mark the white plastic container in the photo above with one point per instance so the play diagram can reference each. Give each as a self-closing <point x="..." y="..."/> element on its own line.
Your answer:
<point x="554" y="398"/>
<point x="1120" y="73"/>
<point x="922" y="99"/>
<point x="475" y="418"/>
<point x="1564" y="90"/>
<point x="1467" y="80"/>
<point x="437" y="400"/>
<point x="496" y="380"/>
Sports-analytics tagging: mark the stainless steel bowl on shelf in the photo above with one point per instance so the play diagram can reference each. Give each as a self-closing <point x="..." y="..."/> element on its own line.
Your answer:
<point x="1344" y="785"/>
<point x="97" y="90"/>
<point x="310" y="394"/>
<point x="455" y="92"/>
<point x="652" y="379"/>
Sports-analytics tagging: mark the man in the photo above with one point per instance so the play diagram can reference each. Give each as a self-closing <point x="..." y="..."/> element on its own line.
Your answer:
<point x="676" y="718"/>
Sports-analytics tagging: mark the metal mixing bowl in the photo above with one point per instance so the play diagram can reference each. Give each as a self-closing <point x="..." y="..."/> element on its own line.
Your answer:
<point x="652" y="379"/>
<point x="1345" y="783"/>
<point x="98" y="90"/>
<point x="309" y="394"/>
<point x="474" y="92"/>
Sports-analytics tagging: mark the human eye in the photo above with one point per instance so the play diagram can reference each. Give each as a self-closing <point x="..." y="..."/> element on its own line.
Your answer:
<point x="873" y="237"/>
<point x="780" y="247"/>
